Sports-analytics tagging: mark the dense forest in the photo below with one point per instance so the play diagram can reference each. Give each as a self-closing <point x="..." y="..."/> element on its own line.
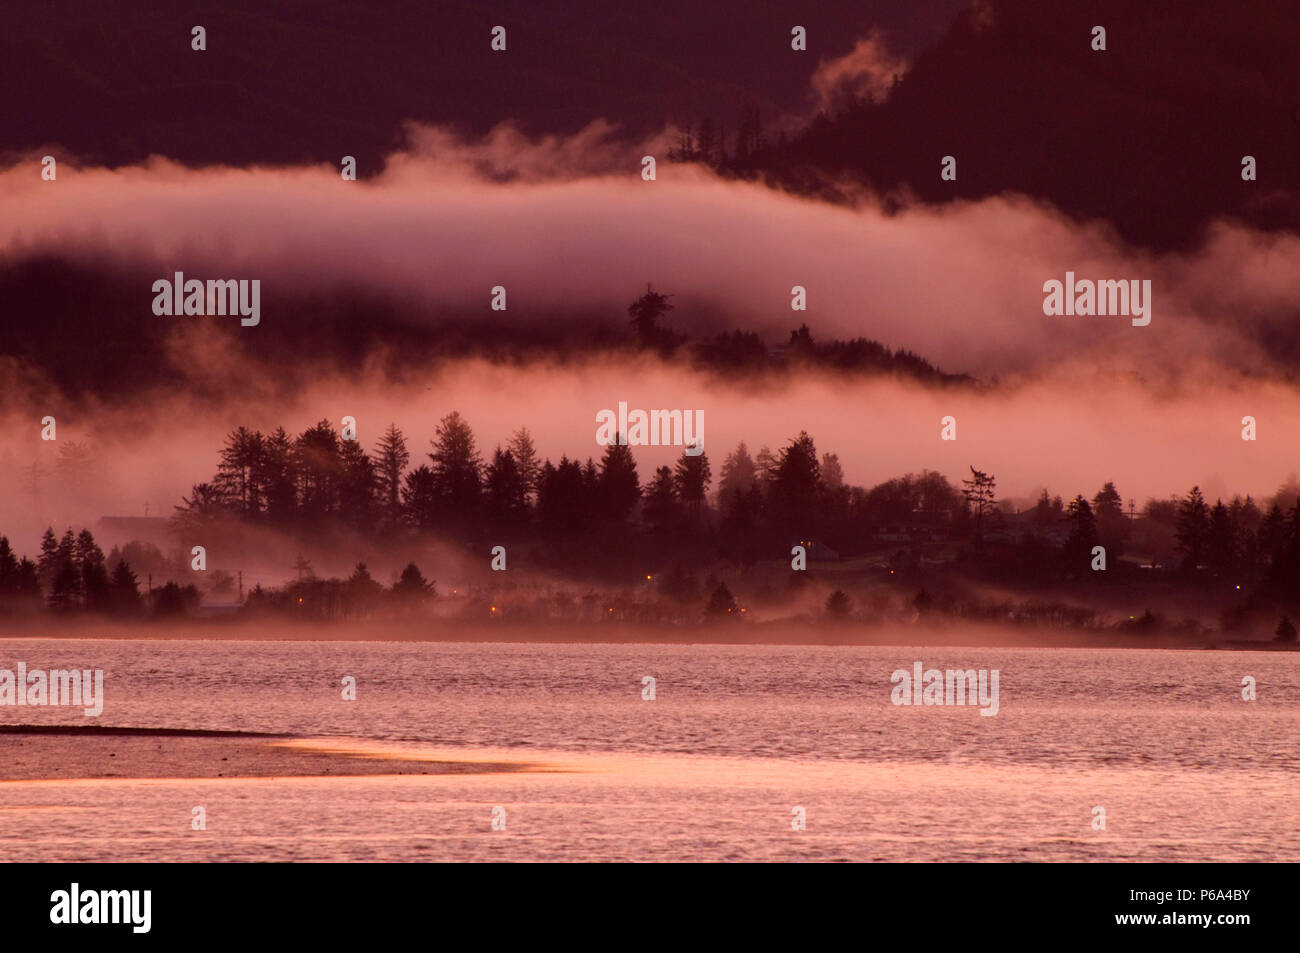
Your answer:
<point x="603" y="521"/>
<point x="86" y="353"/>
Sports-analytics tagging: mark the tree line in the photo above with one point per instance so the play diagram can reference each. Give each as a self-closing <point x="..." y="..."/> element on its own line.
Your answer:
<point x="72" y="574"/>
<point x="594" y="510"/>
<point x="603" y="518"/>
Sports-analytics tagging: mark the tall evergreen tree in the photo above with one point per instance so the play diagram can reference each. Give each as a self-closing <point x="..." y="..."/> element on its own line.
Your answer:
<point x="1083" y="536"/>
<point x="738" y="475"/>
<point x="362" y="592"/>
<point x="200" y="510"/>
<point x="591" y="486"/>
<point x="661" y="511"/>
<point x="65" y="592"/>
<point x="1112" y="524"/>
<point x="124" y="589"/>
<point x="1222" y="551"/>
<point x="1043" y="515"/>
<point x="237" y="472"/>
<point x="391" y="461"/>
<point x="1271" y="534"/>
<point x="563" y="504"/>
<point x="420" y="499"/>
<point x="507" y="500"/>
<point x="765" y="467"/>
<point x="8" y="568"/>
<point x="457" y="469"/>
<point x="94" y="574"/>
<point x="28" y="588"/>
<point x="412" y="587"/>
<point x="318" y="467"/>
<point x="1193" y="529"/>
<point x="277" y="479"/>
<point x="831" y="471"/>
<point x="47" y="566"/>
<point x="796" y="485"/>
<point x="356" y="488"/>
<point x="619" y="486"/>
<point x="691" y="479"/>
<point x="525" y="454"/>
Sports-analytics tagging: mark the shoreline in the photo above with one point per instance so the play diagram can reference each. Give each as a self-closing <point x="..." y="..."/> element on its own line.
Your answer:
<point x="92" y="752"/>
<point x="794" y="637"/>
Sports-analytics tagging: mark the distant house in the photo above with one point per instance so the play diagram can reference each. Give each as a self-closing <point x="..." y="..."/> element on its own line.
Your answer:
<point x="817" y="551"/>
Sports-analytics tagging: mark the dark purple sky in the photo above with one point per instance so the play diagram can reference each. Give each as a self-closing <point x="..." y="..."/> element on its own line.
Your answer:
<point x="294" y="82"/>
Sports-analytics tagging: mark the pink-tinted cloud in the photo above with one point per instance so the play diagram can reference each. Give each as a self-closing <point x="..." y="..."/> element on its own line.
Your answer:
<point x="866" y="70"/>
<point x="960" y="284"/>
<point x="1082" y="400"/>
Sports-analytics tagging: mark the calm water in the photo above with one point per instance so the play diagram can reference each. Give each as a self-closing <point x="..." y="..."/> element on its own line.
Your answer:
<point x="711" y="769"/>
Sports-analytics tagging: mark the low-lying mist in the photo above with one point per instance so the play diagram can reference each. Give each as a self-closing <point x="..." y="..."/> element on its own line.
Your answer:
<point x="1071" y="402"/>
<point x="568" y="226"/>
<point x="1070" y="432"/>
